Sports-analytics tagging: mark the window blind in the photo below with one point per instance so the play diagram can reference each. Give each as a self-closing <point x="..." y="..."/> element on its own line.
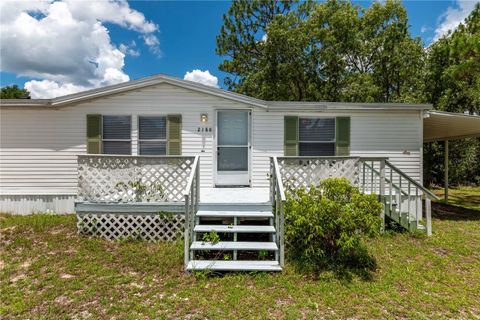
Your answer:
<point x="117" y="132"/>
<point x="316" y="136"/>
<point x="152" y="135"/>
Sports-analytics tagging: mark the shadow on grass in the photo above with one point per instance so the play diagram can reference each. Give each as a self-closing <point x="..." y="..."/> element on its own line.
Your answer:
<point x="443" y="211"/>
<point x="359" y="264"/>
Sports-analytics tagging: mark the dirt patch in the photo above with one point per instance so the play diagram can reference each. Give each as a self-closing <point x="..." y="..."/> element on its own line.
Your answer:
<point x="441" y="252"/>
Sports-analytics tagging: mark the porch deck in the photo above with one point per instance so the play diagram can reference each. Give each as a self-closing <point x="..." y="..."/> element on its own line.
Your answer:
<point x="159" y="198"/>
<point x="234" y="195"/>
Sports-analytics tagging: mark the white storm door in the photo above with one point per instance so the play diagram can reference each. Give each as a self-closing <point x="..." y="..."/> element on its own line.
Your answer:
<point x="233" y="148"/>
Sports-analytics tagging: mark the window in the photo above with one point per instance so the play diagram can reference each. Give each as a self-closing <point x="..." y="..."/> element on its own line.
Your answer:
<point x="152" y="138"/>
<point x="116" y="135"/>
<point x="316" y="136"/>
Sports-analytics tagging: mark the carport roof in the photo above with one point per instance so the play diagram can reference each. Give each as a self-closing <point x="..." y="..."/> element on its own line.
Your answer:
<point x="440" y="125"/>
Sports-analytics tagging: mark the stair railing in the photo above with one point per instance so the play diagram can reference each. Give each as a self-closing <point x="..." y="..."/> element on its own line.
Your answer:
<point x="376" y="175"/>
<point x="396" y="185"/>
<point x="277" y="197"/>
<point x="418" y="191"/>
<point x="192" y="199"/>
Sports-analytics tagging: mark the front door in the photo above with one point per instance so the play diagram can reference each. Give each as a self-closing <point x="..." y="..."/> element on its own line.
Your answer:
<point x="233" y="148"/>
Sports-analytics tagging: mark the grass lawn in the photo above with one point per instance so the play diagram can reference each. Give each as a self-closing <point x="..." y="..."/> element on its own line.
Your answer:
<point x="48" y="271"/>
<point x="467" y="197"/>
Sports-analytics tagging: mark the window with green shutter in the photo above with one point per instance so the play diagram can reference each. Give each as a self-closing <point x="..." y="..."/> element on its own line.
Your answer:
<point x="343" y="136"/>
<point x="315" y="136"/>
<point x="94" y="133"/>
<point x="174" y="135"/>
<point x="291" y="136"/>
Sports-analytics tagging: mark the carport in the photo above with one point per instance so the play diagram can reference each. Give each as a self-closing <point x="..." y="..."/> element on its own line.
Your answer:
<point x="446" y="126"/>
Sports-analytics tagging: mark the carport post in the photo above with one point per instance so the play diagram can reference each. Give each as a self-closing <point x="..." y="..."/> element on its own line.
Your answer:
<point x="446" y="171"/>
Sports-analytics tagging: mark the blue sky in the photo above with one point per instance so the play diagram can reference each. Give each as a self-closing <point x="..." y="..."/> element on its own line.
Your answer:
<point x="185" y="40"/>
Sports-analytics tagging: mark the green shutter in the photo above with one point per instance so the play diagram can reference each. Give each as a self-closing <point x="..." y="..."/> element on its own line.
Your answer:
<point x="174" y="135"/>
<point x="291" y="136"/>
<point x="94" y="133"/>
<point x="343" y="136"/>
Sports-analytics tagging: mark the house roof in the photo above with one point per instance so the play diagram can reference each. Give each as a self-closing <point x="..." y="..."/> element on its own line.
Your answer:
<point x="439" y="125"/>
<point x="70" y="99"/>
<point x="127" y="86"/>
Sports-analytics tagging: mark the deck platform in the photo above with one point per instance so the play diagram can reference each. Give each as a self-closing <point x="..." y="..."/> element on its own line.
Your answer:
<point x="234" y="195"/>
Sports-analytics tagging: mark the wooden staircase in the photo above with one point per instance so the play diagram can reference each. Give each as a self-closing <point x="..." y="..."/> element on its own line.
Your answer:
<point x="403" y="197"/>
<point x="250" y="236"/>
<point x="247" y="238"/>
<point x="403" y="218"/>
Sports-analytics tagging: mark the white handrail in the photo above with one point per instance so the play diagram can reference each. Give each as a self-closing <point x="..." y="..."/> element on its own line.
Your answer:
<point x="279" y="181"/>
<point x="278" y="197"/>
<point x="378" y="181"/>
<point x="186" y="192"/>
<point x="192" y="198"/>
<point x="415" y="183"/>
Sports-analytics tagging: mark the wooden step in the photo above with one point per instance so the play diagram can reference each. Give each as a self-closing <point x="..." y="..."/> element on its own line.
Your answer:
<point x="235" y="206"/>
<point x="403" y="219"/>
<point x="232" y="229"/>
<point x="231" y="265"/>
<point x="243" y="214"/>
<point x="230" y="245"/>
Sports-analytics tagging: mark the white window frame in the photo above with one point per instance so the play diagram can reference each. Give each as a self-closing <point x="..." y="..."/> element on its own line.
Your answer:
<point x="334" y="141"/>
<point x="139" y="141"/>
<point x="118" y="140"/>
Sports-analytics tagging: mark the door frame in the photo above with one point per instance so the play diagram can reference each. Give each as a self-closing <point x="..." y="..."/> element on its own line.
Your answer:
<point x="249" y="147"/>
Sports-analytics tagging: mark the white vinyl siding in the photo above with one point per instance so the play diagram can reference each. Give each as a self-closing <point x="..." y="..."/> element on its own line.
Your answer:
<point x="393" y="134"/>
<point x="39" y="147"/>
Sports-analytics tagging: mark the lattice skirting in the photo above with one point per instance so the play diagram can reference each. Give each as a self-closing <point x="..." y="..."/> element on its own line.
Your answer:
<point x="120" y="226"/>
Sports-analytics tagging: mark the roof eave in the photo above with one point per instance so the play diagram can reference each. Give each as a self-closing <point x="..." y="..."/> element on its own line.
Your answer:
<point x="338" y="106"/>
<point x="27" y="103"/>
<point x="141" y="83"/>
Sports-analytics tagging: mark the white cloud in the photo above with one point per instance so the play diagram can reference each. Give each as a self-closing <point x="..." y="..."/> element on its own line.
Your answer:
<point x="66" y="44"/>
<point x="453" y="16"/>
<point x="153" y="43"/>
<point x="424" y="29"/>
<point x="47" y="89"/>
<point x="203" y="77"/>
<point x="129" y="49"/>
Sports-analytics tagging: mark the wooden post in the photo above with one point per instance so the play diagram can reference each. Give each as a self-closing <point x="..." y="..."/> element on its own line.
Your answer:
<point x="282" y="236"/>
<point x="382" y="191"/>
<point x="446" y="171"/>
<point x="187" y="233"/>
<point x="428" y="214"/>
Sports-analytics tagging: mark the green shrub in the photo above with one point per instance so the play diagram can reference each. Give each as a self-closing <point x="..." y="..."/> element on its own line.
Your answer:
<point x="326" y="225"/>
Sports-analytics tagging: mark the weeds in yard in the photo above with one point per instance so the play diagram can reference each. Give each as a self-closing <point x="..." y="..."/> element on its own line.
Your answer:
<point x="262" y="254"/>
<point x="47" y="271"/>
<point x="211" y="237"/>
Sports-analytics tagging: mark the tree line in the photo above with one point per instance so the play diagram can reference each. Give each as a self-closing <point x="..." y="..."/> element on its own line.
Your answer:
<point x="339" y="51"/>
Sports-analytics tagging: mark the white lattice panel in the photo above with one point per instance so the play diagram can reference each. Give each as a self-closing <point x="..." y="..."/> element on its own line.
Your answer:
<point x="150" y="227"/>
<point x="304" y="172"/>
<point x="117" y="178"/>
